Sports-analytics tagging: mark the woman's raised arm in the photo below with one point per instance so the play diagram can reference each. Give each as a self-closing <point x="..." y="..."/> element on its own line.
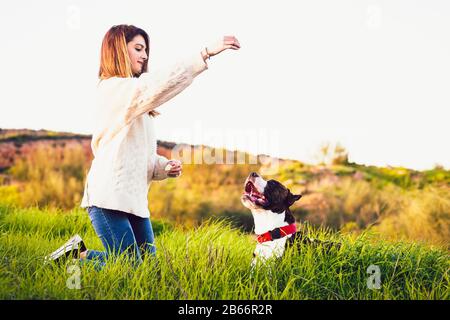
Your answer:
<point x="155" y="88"/>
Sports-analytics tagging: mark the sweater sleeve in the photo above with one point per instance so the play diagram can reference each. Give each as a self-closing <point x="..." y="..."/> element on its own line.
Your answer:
<point x="158" y="171"/>
<point x="155" y="88"/>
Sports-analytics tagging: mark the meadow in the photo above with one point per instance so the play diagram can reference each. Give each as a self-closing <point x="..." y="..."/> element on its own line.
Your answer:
<point x="211" y="261"/>
<point x="392" y="221"/>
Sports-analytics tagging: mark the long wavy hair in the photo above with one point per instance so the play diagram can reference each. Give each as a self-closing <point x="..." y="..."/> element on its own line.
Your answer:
<point x="114" y="58"/>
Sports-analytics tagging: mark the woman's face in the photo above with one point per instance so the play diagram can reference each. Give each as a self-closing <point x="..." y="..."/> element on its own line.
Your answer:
<point x="137" y="54"/>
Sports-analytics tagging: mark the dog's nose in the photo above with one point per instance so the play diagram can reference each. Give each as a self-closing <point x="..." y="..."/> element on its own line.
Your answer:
<point x="253" y="175"/>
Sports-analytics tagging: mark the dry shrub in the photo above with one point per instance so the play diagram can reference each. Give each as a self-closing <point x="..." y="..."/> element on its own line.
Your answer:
<point x="53" y="176"/>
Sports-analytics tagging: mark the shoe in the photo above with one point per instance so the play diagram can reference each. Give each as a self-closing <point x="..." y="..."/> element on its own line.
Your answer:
<point x="72" y="247"/>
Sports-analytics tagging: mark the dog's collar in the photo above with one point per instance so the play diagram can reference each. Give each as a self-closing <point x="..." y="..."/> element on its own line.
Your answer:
<point x="277" y="233"/>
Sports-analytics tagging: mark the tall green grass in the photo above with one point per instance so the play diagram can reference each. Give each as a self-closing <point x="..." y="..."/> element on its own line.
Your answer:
<point x="211" y="262"/>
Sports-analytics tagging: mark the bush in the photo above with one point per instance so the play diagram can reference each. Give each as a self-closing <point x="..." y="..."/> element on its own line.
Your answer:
<point x="51" y="176"/>
<point x="10" y="196"/>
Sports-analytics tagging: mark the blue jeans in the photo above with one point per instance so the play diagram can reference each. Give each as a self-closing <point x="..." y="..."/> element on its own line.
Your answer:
<point x="121" y="232"/>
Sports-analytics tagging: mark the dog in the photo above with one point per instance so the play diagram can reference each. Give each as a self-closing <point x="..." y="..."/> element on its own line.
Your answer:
<point x="275" y="226"/>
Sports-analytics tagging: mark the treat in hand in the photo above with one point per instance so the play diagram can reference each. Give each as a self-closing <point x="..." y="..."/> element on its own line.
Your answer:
<point x="227" y="42"/>
<point x="173" y="168"/>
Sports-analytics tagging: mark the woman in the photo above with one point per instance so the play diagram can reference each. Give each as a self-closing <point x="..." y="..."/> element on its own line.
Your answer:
<point x="124" y="142"/>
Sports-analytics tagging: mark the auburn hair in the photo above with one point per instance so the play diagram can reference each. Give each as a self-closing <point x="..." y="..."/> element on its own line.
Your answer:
<point x="114" y="58"/>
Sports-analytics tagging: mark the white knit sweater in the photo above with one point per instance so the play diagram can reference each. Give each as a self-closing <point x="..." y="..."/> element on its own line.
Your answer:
<point x="124" y="142"/>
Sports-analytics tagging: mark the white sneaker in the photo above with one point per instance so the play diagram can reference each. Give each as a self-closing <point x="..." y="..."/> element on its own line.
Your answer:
<point x="72" y="247"/>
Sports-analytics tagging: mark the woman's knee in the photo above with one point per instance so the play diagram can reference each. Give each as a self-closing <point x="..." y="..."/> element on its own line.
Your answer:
<point x="114" y="230"/>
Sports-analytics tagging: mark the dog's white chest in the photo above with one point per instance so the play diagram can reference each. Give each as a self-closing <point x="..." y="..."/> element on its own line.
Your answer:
<point x="266" y="220"/>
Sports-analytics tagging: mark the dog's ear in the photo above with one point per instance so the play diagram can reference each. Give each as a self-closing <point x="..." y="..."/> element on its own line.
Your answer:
<point x="291" y="198"/>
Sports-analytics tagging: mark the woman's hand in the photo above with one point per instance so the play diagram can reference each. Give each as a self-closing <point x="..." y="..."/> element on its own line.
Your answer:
<point x="173" y="168"/>
<point x="228" y="42"/>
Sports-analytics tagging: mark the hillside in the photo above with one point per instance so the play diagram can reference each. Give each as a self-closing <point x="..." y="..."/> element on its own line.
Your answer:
<point x="18" y="143"/>
<point x="48" y="170"/>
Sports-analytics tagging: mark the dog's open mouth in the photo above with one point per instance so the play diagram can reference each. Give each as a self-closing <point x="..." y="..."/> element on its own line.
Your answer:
<point x="253" y="194"/>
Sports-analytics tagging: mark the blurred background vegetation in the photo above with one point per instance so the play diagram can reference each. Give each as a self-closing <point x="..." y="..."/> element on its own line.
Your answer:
<point x="399" y="203"/>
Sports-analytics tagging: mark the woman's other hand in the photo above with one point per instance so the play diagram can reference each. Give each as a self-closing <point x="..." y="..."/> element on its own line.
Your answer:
<point x="227" y="42"/>
<point x="173" y="168"/>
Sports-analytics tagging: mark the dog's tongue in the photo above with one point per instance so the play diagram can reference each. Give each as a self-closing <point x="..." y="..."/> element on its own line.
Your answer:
<point x="256" y="196"/>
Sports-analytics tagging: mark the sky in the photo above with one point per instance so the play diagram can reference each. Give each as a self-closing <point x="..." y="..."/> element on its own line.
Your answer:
<point x="371" y="75"/>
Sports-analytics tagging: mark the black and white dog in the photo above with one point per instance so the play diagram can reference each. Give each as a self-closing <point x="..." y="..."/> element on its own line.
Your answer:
<point x="275" y="227"/>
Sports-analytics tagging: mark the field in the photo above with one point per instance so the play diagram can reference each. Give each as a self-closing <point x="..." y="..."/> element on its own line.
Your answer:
<point x="211" y="262"/>
<point x="393" y="224"/>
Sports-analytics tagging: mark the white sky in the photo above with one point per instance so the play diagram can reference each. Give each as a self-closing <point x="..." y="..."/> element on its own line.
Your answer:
<point x="372" y="75"/>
